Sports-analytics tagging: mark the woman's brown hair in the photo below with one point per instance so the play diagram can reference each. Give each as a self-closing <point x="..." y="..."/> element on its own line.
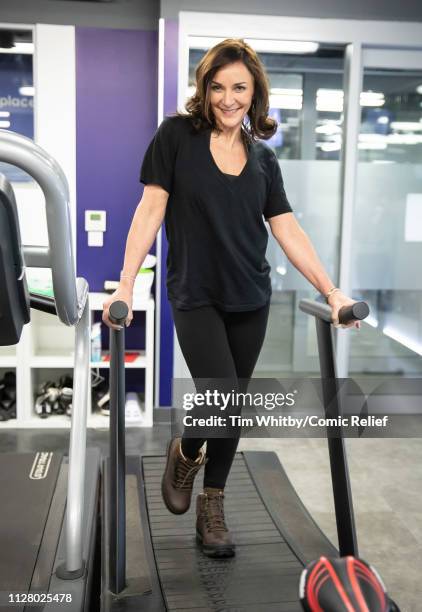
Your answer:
<point x="198" y="107"/>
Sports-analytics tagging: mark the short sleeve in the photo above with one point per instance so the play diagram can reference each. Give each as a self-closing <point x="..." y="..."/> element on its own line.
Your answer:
<point x="277" y="202"/>
<point x="158" y="163"/>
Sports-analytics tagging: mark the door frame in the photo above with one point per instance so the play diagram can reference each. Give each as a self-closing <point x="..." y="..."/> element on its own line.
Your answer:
<point x="364" y="41"/>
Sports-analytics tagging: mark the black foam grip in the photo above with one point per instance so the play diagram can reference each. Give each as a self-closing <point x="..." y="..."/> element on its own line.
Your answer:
<point x="118" y="312"/>
<point x="356" y="312"/>
<point x="43" y="302"/>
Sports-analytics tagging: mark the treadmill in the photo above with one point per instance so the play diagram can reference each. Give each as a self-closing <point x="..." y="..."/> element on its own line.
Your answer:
<point x="153" y="563"/>
<point x="49" y="500"/>
<point x="149" y="557"/>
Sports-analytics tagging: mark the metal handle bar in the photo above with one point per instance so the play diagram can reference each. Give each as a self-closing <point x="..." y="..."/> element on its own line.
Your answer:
<point x="356" y="312"/>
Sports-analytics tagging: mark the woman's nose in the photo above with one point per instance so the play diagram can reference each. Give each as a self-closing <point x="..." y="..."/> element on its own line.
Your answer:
<point x="228" y="99"/>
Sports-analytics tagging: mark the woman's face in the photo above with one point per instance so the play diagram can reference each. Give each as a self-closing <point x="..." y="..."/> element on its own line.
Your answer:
<point x="231" y="94"/>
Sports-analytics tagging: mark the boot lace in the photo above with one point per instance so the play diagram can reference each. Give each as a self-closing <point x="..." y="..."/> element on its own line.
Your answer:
<point x="214" y="513"/>
<point x="185" y="473"/>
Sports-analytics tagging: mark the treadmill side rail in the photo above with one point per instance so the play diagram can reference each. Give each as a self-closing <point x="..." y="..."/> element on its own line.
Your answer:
<point x="71" y="298"/>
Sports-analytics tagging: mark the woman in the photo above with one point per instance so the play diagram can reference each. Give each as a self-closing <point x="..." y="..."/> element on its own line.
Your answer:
<point x="206" y="174"/>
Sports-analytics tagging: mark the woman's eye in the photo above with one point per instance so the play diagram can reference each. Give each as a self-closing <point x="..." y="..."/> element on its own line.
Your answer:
<point x="238" y="88"/>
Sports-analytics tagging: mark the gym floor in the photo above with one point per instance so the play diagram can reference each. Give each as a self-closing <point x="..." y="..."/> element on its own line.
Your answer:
<point x="386" y="479"/>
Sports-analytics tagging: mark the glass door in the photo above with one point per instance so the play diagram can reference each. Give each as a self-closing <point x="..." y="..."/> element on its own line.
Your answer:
<point x="306" y="99"/>
<point x="387" y="225"/>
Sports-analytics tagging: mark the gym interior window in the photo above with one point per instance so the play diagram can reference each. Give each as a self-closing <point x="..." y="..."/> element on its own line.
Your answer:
<point x="16" y="90"/>
<point x="306" y="99"/>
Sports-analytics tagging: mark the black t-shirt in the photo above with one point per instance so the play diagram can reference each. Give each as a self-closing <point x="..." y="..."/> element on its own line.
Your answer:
<point x="215" y="229"/>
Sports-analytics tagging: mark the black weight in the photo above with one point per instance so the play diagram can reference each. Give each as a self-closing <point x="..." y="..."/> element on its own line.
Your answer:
<point x="118" y="312"/>
<point x="356" y="312"/>
<point x="65" y="381"/>
<point x="9" y="379"/>
<point x="4" y="415"/>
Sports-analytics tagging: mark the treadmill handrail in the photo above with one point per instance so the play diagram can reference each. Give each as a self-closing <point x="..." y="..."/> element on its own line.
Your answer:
<point x="340" y="476"/>
<point x="71" y="297"/>
<point x="316" y="309"/>
<point x="25" y="154"/>
<point x="355" y="311"/>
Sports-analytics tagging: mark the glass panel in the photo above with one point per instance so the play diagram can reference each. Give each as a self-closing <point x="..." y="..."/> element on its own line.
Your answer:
<point x="16" y="91"/>
<point x="307" y="101"/>
<point x="17" y="115"/>
<point x="387" y="246"/>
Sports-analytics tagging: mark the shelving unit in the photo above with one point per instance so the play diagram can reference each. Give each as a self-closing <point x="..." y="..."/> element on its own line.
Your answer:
<point x="8" y="357"/>
<point x="46" y="347"/>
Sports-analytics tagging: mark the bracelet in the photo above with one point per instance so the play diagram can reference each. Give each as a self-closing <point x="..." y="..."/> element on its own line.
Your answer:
<point x="330" y="292"/>
<point x="127" y="276"/>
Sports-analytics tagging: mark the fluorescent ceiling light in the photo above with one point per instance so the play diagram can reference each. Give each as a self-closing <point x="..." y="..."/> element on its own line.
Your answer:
<point x="286" y="102"/>
<point x="372" y="142"/>
<point x="285" y="91"/>
<point x="259" y="44"/>
<point x="329" y="100"/>
<point x="4" y="124"/>
<point x="372" y="137"/>
<point x="372" y="98"/>
<point x="203" y="42"/>
<point x="410" y="126"/>
<point x="396" y="335"/>
<point x="27" y="90"/>
<point x="4" y="114"/>
<point x="21" y="48"/>
<point x="373" y="94"/>
<point x="330" y="106"/>
<point x="329" y="146"/>
<point x="369" y="146"/>
<point x="330" y="93"/>
<point x="282" y="46"/>
<point x="381" y="141"/>
<point x="335" y="96"/>
<point x="372" y="102"/>
<point x="329" y="129"/>
<point x="408" y="139"/>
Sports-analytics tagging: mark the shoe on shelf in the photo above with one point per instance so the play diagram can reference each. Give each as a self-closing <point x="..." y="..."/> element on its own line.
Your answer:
<point x="211" y="529"/>
<point x="178" y="477"/>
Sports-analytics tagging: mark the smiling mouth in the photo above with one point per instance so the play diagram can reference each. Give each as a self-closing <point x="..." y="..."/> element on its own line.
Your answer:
<point x="230" y="112"/>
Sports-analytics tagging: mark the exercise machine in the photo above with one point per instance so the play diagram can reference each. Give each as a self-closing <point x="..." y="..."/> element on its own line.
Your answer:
<point x="276" y="537"/>
<point x="149" y="558"/>
<point x="49" y="500"/>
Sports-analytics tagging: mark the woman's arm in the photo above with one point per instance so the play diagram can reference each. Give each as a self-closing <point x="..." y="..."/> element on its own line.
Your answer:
<point x="146" y="222"/>
<point x="301" y="253"/>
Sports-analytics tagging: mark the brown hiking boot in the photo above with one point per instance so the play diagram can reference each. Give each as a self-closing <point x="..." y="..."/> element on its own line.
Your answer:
<point x="211" y="530"/>
<point x="178" y="477"/>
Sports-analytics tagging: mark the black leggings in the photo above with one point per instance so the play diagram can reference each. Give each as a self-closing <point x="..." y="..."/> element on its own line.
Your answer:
<point x="223" y="345"/>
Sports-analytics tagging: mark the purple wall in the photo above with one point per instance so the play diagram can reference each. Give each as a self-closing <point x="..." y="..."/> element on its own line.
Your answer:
<point x="171" y="36"/>
<point x="116" y="117"/>
<point x="116" y="110"/>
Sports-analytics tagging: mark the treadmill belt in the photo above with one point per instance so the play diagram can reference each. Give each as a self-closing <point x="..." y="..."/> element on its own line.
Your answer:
<point x="264" y="574"/>
<point x="27" y="483"/>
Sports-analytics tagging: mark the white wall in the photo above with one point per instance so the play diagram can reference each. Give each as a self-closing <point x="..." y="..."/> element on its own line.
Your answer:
<point x="384" y="10"/>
